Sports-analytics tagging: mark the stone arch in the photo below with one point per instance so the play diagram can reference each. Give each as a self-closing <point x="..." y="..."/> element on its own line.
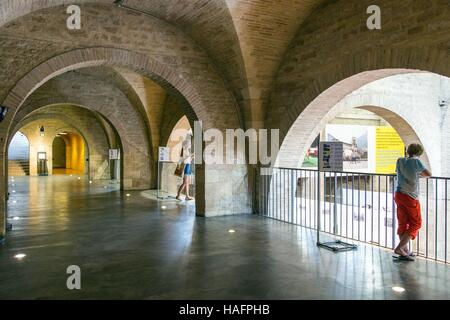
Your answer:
<point x="136" y="173"/>
<point x="14" y="134"/>
<point x="405" y="113"/>
<point x="181" y="127"/>
<point x="190" y="97"/>
<point x="70" y="89"/>
<point x="18" y="157"/>
<point x="214" y="107"/>
<point x="89" y="129"/>
<point x="197" y="20"/>
<point x="299" y="82"/>
<point x="114" y="77"/>
<point x="56" y="125"/>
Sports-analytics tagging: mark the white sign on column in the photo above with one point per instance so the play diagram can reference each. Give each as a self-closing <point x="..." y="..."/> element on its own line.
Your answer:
<point x="164" y="154"/>
<point x="113" y="154"/>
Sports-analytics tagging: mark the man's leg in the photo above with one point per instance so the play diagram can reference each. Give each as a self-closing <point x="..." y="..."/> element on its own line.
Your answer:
<point x="402" y="247"/>
<point x="402" y="217"/>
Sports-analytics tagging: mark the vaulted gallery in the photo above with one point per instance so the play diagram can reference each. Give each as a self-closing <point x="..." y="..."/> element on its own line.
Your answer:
<point x="88" y="111"/>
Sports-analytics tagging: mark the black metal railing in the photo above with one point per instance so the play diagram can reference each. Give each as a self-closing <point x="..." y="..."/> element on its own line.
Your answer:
<point x="354" y="205"/>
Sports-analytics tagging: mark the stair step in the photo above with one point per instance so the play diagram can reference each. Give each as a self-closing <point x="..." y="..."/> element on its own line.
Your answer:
<point x="18" y="167"/>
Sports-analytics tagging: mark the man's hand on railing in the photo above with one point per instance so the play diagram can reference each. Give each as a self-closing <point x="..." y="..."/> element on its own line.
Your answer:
<point x="426" y="174"/>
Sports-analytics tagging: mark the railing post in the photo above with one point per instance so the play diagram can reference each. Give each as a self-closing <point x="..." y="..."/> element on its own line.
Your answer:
<point x="393" y="213"/>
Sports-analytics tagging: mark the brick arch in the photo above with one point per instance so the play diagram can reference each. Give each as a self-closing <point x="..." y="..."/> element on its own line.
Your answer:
<point x="172" y="114"/>
<point x="354" y="92"/>
<point x="215" y="107"/>
<point x="192" y="98"/>
<point x="89" y="128"/>
<point x="115" y="78"/>
<point x="408" y="134"/>
<point x="110" y="102"/>
<point x="209" y="23"/>
<point x="351" y="73"/>
<point x="136" y="161"/>
<point x="58" y="125"/>
<point x="323" y="54"/>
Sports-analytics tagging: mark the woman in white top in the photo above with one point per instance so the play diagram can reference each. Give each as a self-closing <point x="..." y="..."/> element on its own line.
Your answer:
<point x="186" y="158"/>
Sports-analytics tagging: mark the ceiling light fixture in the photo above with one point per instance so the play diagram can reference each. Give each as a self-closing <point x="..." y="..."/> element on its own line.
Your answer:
<point x="3" y="112"/>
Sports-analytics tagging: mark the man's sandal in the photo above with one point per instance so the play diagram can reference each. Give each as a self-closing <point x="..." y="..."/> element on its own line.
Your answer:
<point x="404" y="258"/>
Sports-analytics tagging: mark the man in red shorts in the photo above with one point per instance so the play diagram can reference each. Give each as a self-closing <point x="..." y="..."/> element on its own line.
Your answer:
<point x="409" y="170"/>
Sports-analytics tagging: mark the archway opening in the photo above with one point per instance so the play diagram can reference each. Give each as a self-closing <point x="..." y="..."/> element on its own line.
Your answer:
<point x="374" y="122"/>
<point x="59" y="154"/>
<point x="68" y="154"/>
<point x="19" y="155"/>
<point x="406" y="101"/>
<point x="180" y="137"/>
<point x="370" y="144"/>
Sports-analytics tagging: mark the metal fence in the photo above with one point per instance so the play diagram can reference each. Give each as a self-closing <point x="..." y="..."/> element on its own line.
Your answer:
<point x="354" y="205"/>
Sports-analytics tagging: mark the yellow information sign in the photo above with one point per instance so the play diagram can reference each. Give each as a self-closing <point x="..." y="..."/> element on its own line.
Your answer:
<point x="389" y="147"/>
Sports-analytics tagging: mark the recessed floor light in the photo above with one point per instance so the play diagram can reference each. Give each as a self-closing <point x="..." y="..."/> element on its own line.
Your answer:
<point x="128" y="194"/>
<point x="231" y="231"/>
<point x="16" y="218"/>
<point x="398" y="289"/>
<point x="14" y="191"/>
<point x="90" y="182"/>
<point x="20" y="256"/>
<point x="163" y="207"/>
<point x="14" y="201"/>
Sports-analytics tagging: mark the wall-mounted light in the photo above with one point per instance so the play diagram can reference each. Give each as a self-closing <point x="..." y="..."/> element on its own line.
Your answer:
<point x="3" y="111"/>
<point x="42" y="131"/>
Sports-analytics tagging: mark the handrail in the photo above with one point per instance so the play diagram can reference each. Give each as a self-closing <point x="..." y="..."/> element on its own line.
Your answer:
<point x="356" y="205"/>
<point x="354" y="172"/>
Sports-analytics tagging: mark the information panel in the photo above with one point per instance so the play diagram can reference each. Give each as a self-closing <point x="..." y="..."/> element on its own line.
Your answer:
<point x="331" y="156"/>
<point x="164" y="154"/>
<point x="389" y="147"/>
<point x="113" y="154"/>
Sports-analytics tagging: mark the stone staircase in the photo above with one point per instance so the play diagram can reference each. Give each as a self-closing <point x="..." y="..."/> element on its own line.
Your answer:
<point x="18" y="168"/>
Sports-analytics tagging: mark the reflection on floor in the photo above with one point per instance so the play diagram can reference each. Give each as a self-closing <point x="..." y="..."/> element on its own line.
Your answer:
<point x="129" y="247"/>
<point x="63" y="171"/>
<point x="168" y="200"/>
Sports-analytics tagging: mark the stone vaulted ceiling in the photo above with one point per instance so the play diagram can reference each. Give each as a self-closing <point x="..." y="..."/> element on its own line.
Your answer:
<point x="245" y="39"/>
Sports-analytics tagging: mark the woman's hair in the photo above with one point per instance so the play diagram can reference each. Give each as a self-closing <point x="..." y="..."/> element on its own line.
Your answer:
<point x="414" y="149"/>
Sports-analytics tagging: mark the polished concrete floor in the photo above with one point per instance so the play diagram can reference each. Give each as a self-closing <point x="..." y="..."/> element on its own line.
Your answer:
<point x="129" y="248"/>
